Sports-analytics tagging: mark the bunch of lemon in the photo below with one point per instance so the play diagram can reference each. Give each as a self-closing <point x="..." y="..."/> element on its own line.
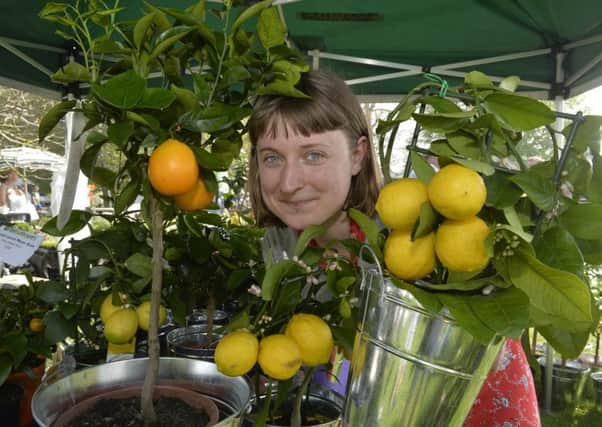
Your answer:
<point x="307" y="341"/>
<point x="121" y="322"/>
<point x="458" y="194"/>
<point x="173" y="171"/>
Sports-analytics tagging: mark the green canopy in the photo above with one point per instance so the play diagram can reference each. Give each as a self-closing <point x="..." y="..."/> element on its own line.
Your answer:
<point x="381" y="47"/>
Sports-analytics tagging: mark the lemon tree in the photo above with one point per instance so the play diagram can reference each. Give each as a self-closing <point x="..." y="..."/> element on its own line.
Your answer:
<point x="410" y="259"/>
<point x="121" y="326"/>
<point x="279" y="356"/>
<point x="399" y="202"/>
<point x="511" y="235"/>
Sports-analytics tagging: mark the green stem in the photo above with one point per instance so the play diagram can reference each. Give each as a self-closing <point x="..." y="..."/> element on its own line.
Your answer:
<point x="296" y="415"/>
<point x="221" y="60"/>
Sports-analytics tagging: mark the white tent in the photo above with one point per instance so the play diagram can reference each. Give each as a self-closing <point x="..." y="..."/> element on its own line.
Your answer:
<point x="30" y="159"/>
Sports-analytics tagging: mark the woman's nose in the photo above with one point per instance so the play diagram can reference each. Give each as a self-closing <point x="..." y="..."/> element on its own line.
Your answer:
<point x="291" y="178"/>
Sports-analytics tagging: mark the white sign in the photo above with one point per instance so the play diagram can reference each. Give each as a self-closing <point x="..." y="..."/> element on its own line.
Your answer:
<point x="17" y="246"/>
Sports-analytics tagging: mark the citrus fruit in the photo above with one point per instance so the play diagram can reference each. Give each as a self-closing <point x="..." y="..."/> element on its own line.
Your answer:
<point x="313" y="336"/>
<point x="121" y="326"/>
<point x="236" y="353"/>
<point x="143" y="313"/>
<point x="407" y="259"/>
<point x="279" y="356"/>
<point x="36" y="325"/>
<point x="460" y="244"/>
<point x="172" y="168"/>
<point x="107" y="308"/>
<point x="398" y="204"/>
<point x="194" y="199"/>
<point x="457" y="192"/>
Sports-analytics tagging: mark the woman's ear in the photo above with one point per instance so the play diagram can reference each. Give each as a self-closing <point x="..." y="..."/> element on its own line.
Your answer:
<point x="358" y="154"/>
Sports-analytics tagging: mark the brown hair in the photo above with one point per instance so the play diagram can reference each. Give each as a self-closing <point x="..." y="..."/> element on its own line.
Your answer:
<point x="330" y="106"/>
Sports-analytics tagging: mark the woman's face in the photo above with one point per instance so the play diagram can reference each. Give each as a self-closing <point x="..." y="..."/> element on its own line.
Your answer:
<point x="305" y="180"/>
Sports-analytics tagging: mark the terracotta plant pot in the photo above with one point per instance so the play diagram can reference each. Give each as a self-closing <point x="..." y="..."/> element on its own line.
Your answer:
<point x="190" y="397"/>
<point x="29" y="385"/>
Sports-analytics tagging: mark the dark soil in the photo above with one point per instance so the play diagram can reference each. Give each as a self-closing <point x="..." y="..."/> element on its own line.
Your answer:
<point x="171" y="412"/>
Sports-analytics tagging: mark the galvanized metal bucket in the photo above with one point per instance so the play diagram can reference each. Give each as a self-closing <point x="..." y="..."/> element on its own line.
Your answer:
<point x="409" y="367"/>
<point x="231" y="394"/>
<point x="192" y="342"/>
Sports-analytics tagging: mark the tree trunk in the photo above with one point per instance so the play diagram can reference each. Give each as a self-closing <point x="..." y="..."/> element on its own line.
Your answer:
<point x="148" y="411"/>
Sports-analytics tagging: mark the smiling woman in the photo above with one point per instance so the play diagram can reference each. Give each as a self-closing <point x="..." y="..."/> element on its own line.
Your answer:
<point x="312" y="160"/>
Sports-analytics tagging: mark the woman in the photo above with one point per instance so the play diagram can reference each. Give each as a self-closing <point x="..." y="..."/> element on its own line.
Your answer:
<point x="6" y="188"/>
<point x="311" y="160"/>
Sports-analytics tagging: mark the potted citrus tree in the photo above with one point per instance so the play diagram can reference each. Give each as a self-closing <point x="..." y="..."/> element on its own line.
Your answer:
<point x="479" y="244"/>
<point x="173" y="132"/>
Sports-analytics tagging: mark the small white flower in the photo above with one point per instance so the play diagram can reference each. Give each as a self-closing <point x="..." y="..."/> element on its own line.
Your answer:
<point x="487" y="290"/>
<point x="254" y="290"/>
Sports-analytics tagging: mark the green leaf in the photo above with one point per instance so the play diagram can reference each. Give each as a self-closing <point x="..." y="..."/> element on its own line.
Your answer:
<point x="477" y="78"/>
<point x="128" y="194"/>
<point x="6" y="367"/>
<point x="514" y="224"/>
<point x="185" y="97"/>
<point x="587" y="135"/>
<point x="307" y="236"/>
<point x="270" y="29"/>
<point x="464" y="313"/>
<point x="248" y="13"/>
<point x="423" y="170"/>
<point x="583" y="221"/>
<point x="484" y="168"/>
<point x="273" y="277"/>
<point x="428" y="300"/>
<point x="591" y="250"/>
<point x="594" y="192"/>
<point x="71" y="72"/>
<point x="77" y="220"/>
<point x="443" y="123"/>
<point x="540" y="190"/>
<point x="156" y="99"/>
<point x="510" y="83"/>
<point x="465" y="144"/>
<point x="213" y="119"/>
<point x="440" y="104"/>
<point x="281" y="87"/>
<point x="141" y="28"/>
<point x="238" y="278"/>
<point x="519" y="112"/>
<point x="560" y="296"/>
<point x="122" y="91"/>
<point x="570" y="345"/>
<point x="426" y="221"/>
<point x="57" y="327"/>
<point x="208" y="161"/>
<point x="139" y="285"/>
<point x="501" y="191"/>
<point x="52" y="117"/>
<point x="168" y="38"/>
<point x="52" y="292"/>
<point x="140" y="265"/>
<point x="506" y="311"/>
<point x="119" y="132"/>
<point x="557" y="248"/>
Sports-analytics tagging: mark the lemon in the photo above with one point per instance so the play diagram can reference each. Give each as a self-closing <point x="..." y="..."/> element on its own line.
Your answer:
<point x="107" y="308"/>
<point x="460" y="245"/>
<point x="398" y="204"/>
<point x="121" y="326"/>
<point x="313" y="336"/>
<point x="236" y="353"/>
<point x="457" y="192"/>
<point x="143" y="313"/>
<point x="279" y="356"/>
<point x="407" y="259"/>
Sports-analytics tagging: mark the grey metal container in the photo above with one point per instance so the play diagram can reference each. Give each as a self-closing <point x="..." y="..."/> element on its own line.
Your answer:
<point x="409" y="367"/>
<point x="192" y="342"/>
<point x="568" y="381"/>
<point x="231" y="394"/>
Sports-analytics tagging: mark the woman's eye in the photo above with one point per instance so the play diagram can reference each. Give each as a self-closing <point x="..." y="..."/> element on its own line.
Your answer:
<point x="314" y="156"/>
<point x="271" y="159"/>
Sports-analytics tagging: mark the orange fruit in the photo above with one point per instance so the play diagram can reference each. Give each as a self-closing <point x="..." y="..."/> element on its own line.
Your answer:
<point x="36" y="325"/>
<point x="196" y="198"/>
<point x="172" y="168"/>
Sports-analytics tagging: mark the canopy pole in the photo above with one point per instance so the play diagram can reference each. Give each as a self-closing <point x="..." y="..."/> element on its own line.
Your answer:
<point x="558" y="106"/>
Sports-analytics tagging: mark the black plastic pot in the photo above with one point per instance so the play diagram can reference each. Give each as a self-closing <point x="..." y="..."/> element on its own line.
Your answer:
<point x="568" y="381"/>
<point x="10" y="400"/>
